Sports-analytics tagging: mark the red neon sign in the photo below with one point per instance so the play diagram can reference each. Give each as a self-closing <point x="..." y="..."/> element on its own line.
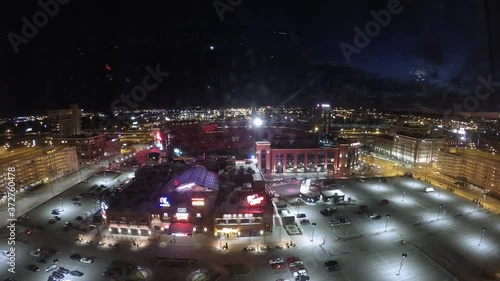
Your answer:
<point x="254" y="199"/>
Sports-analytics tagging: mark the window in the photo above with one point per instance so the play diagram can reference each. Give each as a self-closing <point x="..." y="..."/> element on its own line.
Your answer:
<point x="232" y="221"/>
<point x="244" y="221"/>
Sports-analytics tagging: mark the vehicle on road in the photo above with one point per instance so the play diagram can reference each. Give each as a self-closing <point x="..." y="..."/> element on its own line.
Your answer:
<point x="302" y="215"/>
<point x="331" y="265"/>
<point x="76" y="273"/>
<point x="33" y="268"/>
<point x="384" y="202"/>
<point x="248" y="249"/>
<point x="114" y="245"/>
<point x="50" y="267"/>
<point x="5" y="253"/>
<point x="429" y="189"/>
<point x="35" y="253"/>
<point x="275" y="260"/>
<point x="55" y="212"/>
<point x="52" y="220"/>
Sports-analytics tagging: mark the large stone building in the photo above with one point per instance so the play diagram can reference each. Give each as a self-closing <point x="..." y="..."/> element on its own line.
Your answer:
<point x="416" y="148"/>
<point x="337" y="158"/>
<point x="36" y="166"/>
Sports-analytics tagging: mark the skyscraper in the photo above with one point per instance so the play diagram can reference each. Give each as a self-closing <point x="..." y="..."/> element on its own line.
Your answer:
<point x="322" y="118"/>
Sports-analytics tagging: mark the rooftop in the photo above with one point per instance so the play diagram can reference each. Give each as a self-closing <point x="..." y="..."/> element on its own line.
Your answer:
<point x="193" y="178"/>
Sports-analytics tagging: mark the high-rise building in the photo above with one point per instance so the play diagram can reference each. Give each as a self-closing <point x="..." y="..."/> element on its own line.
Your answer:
<point x="65" y="122"/>
<point x="416" y="148"/>
<point x="322" y="118"/>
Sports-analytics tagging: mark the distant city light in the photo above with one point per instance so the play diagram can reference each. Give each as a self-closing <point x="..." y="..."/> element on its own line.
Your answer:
<point x="212" y="48"/>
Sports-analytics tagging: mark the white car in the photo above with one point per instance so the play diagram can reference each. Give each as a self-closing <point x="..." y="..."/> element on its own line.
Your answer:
<point x="297" y="263"/>
<point x="372" y="216"/>
<point x="300" y="273"/>
<point x="50" y="267"/>
<point x="276" y="260"/>
<point x="86" y="260"/>
<point x="35" y="253"/>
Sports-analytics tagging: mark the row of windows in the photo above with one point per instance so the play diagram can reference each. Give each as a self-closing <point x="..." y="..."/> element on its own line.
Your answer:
<point x="238" y="221"/>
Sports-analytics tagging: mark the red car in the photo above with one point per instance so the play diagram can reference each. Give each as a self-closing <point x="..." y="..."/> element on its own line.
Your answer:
<point x="278" y="266"/>
<point x="28" y="232"/>
<point x="292" y="259"/>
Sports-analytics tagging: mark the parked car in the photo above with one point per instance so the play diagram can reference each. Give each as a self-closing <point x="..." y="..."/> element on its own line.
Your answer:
<point x="58" y="274"/>
<point x="75" y="199"/>
<point x="42" y="260"/>
<point x="297" y="268"/>
<point x="374" y="216"/>
<point x="75" y="257"/>
<point x="77" y="203"/>
<point x="331" y="265"/>
<point x="35" y="253"/>
<point x="86" y="260"/>
<point x="52" y="220"/>
<point x="292" y="260"/>
<point x="5" y="253"/>
<point x="50" y="267"/>
<point x="384" y="202"/>
<point x="76" y="273"/>
<point x="296" y="263"/>
<point x="79" y="218"/>
<point x="278" y="266"/>
<point x="300" y="273"/>
<point x="304" y="221"/>
<point x="301" y="215"/>
<point x="275" y="260"/>
<point x="33" y="268"/>
<point x="63" y="270"/>
<point x="58" y="218"/>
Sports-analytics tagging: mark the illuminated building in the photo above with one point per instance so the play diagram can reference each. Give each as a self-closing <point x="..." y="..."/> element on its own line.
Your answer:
<point x="322" y="118"/>
<point x="91" y="148"/>
<point x="36" y="166"/>
<point x="416" y="149"/>
<point x="65" y="122"/>
<point x="470" y="166"/>
<point x="340" y="157"/>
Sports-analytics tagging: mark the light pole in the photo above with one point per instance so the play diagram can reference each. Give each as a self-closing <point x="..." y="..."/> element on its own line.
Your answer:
<point x="263" y="238"/>
<point x="62" y="206"/>
<point x="482" y="235"/>
<point x="404" y="192"/>
<point x="387" y="222"/>
<point x="401" y="265"/>
<point x="439" y="211"/>
<point x="312" y="236"/>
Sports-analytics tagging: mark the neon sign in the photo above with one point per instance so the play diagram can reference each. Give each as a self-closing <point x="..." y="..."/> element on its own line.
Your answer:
<point x="182" y="216"/>
<point x="254" y="199"/>
<point x="198" y="202"/>
<point x="182" y="210"/>
<point x="164" y="202"/>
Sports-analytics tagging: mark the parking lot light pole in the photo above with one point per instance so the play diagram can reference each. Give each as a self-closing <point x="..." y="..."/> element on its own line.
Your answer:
<point x="404" y="192"/>
<point x="387" y="222"/>
<point x="482" y="235"/>
<point x="263" y="238"/>
<point x="439" y="211"/>
<point x="312" y="236"/>
<point x="62" y="205"/>
<point x="401" y="265"/>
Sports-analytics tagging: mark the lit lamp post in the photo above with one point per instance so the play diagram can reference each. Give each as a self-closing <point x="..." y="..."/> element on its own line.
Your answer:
<point x="404" y="192"/>
<point x="312" y="236"/>
<point x="439" y="211"/>
<point x="62" y="206"/>
<point x="387" y="222"/>
<point x="401" y="265"/>
<point x="482" y="235"/>
<point x="263" y="237"/>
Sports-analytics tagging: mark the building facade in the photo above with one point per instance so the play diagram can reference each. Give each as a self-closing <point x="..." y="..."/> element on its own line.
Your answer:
<point x="40" y="167"/>
<point x="65" y="122"/>
<point x="92" y="148"/>
<point x="416" y="149"/>
<point x="306" y="160"/>
<point x="471" y="166"/>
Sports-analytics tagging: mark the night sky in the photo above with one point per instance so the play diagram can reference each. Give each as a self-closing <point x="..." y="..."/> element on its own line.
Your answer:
<point x="428" y="57"/>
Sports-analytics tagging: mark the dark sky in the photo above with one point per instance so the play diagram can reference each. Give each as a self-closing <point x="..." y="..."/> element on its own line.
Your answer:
<point x="285" y="52"/>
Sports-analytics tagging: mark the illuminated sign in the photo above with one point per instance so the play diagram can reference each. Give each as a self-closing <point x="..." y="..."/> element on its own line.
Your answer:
<point x="164" y="202"/>
<point x="182" y="216"/>
<point x="198" y="201"/>
<point x="182" y="210"/>
<point x="254" y="199"/>
<point x="185" y="186"/>
<point x="198" y="215"/>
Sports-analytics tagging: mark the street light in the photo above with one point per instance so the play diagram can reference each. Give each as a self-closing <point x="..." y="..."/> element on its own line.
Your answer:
<point x="439" y="211"/>
<point x="401" y="265"/>
<point x="312" y="236"/>
<point x="404" y="192"/>
<point x="387" y="222"/>
<point x="482" y="235"/>
<point x="263" y="237"/>
<point x="62" y="206"/>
